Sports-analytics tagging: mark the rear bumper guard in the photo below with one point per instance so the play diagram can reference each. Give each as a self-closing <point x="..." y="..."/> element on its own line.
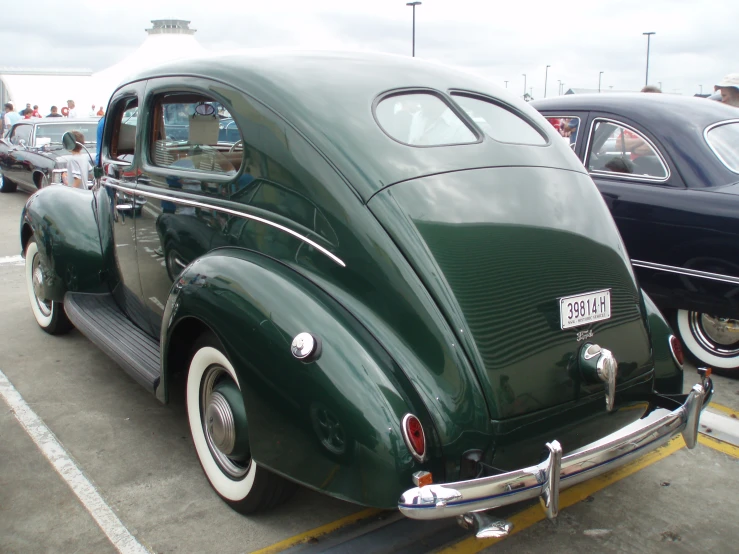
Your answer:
<point x="557" y="472"/>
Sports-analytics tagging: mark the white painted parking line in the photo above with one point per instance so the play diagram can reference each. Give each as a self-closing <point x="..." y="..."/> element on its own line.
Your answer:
<point x="62" y="462"/>
<point x="720" y="427"/>
<point x="11" y="260"/>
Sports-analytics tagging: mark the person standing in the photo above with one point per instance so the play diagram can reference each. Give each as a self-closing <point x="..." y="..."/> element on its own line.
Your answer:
<point x="78" y="164"/>
<point x="10" y="118"/>
<point x="73" y="112"/>
<point x="101" y="112"/>
<point x="91" y="113"/>
<point x="54" y="112"/>
<point x="26" y="110"/>
<point x="36" y="113"/>
<point x="729" y="88"/>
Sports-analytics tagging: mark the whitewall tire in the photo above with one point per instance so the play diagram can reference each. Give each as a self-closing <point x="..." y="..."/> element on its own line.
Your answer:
<point x="49" y="314"/>
<point x="710" y="340"/>
<point x="240" y="482"/>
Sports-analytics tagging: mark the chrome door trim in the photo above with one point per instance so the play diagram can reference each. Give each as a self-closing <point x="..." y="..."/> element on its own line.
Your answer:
<point x="187" y="202"/>
<point x="624" y="175"/>
<point x="686" y="271"/>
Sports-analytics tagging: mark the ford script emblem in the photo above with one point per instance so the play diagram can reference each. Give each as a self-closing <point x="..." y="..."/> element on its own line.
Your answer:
<point x="582" y="335"/>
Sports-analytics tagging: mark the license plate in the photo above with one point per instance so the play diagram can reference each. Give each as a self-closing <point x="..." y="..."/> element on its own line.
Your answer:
<point x="583" y="309"/>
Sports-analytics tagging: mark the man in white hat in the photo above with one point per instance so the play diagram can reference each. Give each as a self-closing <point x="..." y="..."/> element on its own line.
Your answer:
<point x="729" y="87"/>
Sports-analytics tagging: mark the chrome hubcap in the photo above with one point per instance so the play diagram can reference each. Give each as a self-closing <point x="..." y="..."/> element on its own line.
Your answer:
<point x="718" y="335"/>
<point x="218" y="423"/>
<point x="37" y="281"/>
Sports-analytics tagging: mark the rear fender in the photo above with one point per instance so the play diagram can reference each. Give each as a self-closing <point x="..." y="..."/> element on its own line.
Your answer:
<point x="62" y="220"/>
<point x="256" y="306"/>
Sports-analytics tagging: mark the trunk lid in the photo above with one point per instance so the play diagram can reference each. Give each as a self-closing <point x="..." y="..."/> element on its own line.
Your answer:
<point x="497" y="248"/>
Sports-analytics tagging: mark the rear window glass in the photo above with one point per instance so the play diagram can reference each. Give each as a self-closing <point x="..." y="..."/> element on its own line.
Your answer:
<point x="724" y="141"/>
<point x="500" y="123"/>
<point x="421" y="119"/>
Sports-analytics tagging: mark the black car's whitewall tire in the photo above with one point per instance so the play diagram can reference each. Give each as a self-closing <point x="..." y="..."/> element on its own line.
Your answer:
<point x="243" y="484"/>
<point x="49" y="314"/>
<point x="711" y="341"/>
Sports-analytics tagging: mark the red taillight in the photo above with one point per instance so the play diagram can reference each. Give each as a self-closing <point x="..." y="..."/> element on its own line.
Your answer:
<point x="677" y="350"/>
<point x="414" y="437"/>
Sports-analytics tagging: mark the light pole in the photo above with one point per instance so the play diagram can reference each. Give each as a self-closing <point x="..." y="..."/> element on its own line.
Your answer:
<point x="414" y="4"/>
<point x="660" y="84"/>
<point x="531" y="93"/>
<point x="701" y="86"/>
<point x="524" y="85"/>
<point x="649" y="36"/>
<point x="559" y="87"/>
<point x="506" y="84"/>
<point x="546" y="74"/>
<point x="600" y="75"/>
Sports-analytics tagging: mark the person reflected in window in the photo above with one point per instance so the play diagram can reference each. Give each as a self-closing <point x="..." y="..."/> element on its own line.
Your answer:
<point x="78" y="164"/>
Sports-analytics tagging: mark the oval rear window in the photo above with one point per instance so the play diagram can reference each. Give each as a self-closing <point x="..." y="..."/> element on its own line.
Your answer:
<point x="421" y="119"/>
<point x="724" y="141"/>
<point x="500" y="123"/>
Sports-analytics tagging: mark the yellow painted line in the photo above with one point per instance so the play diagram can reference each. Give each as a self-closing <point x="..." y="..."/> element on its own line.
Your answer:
<point x="724" y="409"/>
<point x="318" y="531"/>
<point x="568" y="497"/>
<point x="721" y="446"/>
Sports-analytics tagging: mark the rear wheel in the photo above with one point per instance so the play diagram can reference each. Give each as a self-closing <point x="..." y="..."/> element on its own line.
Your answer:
<point x="217" y="417"/>
<point x="710" y="340"/>
<point x="6" y="185"/>
<point x="49" y="314"/>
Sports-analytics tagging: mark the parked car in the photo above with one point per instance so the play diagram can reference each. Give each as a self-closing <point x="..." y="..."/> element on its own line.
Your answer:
<point x="668" y="168"/>
<point x="396" y="285"/>
<point x="31" y="154"/>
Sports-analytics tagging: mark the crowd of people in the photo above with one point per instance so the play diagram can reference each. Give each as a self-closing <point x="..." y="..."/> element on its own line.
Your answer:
<point x="10" y="116"/>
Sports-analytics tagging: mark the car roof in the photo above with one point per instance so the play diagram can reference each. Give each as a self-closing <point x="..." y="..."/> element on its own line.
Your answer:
<point x="328" y="98"/>
<point x="642" y="106"/>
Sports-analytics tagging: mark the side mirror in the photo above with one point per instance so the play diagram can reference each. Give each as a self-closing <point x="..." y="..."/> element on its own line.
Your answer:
<point x="68" y="141"/>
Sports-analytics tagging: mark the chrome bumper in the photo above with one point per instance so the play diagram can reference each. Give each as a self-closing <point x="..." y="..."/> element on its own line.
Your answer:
<point x="557" y="472"/>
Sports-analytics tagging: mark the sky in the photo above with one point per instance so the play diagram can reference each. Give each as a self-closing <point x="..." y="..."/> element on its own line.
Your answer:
<point x="695" y="44"/>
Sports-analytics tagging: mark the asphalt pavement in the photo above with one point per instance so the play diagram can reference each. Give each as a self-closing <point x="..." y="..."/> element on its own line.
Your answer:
<point x="117" y="463"/>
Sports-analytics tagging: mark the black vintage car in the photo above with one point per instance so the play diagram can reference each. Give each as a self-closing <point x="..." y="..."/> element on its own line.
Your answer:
<point x="31" y="154"/>
<point x="668" y="168"/>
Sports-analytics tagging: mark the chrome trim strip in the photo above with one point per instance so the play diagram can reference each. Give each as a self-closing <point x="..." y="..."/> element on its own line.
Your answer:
<point x="705" y="137"/>
<point x="407" y="439"/>
<point x="624" y="175"/>
<point x="685" y="271"/>
<point x="187" y="202"/>
<point x="443" y="500"/>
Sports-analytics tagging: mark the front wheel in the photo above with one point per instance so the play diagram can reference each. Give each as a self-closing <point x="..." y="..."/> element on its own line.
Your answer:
<point x="6" y="185"/>
<point x="49" y="314"/>
<point x="712" y="341"/>
<point x="217" y="417"/>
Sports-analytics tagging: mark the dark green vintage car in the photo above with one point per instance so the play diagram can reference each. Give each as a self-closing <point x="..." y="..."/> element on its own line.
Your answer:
<point x="397" y="285"/>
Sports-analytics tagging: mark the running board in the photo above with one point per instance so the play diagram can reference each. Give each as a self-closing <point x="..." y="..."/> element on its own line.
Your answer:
<point x="98" y="317"/>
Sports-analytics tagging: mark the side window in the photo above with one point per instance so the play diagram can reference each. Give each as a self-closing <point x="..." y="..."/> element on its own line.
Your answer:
<point x="499" y="122"/>
<point x="618" y="149"/>
<point x="567" y="127"/>
<point x="194" y="132"/>
<point x="123" y="140"/>
<point x="21" y="133"/>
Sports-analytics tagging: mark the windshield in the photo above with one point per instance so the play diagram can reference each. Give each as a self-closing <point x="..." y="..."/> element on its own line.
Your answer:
<point x="54" y="131"/>
<point x="724" y="141"/>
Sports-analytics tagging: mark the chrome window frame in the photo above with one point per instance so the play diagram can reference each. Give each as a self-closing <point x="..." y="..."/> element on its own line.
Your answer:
<point x="705" y="137"/>
<point x="627" y="176"/>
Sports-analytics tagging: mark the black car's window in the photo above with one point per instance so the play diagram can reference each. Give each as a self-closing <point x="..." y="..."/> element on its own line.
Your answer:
<point x="21" y="133"/>
<point x="192" y="131"/>
<point x="724" y="141"/>
<point x="617" y="149"/>
<point x="567" y="126"/>
<point x="498" y="122"/>
<point x="123" y="143"/>
<point x="421" y="119"/>
<point x="54" y="131"/>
